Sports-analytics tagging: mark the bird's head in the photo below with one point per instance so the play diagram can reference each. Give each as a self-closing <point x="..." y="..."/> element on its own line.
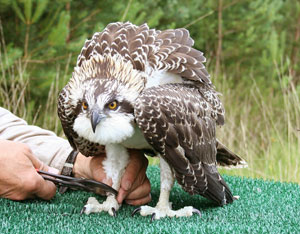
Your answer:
<point x="103" y="91"/>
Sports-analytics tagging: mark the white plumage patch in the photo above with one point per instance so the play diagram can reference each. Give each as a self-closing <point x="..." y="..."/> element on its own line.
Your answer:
<point x="137" y="140"/>
<point x="114" y="129"/>
<point x="159" y="77"/>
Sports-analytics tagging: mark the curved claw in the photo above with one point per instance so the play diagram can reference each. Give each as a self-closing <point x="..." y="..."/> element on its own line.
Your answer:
<point x="135" y="211"/>
<point x="82" y="210"/>
<point x="114" y="212"/>
<point x="153" y="217"/>
<point x="196" y="211"/>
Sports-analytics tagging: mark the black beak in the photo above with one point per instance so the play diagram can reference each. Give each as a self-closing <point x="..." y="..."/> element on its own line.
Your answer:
<point x="95" y="119"/>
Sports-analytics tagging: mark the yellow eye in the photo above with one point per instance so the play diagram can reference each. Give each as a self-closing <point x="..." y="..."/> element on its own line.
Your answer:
<point x="113" y="105"/>
<point x="84" y="105"/>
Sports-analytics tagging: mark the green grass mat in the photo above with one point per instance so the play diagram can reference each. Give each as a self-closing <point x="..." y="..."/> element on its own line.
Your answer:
<point x="263" y="207"/>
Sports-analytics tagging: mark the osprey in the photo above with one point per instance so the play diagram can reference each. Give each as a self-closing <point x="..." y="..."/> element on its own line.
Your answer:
<point x="141" y="88"/>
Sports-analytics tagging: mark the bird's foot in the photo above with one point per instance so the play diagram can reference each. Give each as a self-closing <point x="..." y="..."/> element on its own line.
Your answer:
<point x="93" y="206"/>
<point x="165" y="211"/>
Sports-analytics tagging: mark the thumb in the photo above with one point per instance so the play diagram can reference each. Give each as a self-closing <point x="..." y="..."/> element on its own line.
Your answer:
<point x="41" y="166"/>
<point x="45" y="189"/>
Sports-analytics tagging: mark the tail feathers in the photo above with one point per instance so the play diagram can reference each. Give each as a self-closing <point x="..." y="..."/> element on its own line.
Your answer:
<point x="217" y="189"/>
<point x="228" y="159"/>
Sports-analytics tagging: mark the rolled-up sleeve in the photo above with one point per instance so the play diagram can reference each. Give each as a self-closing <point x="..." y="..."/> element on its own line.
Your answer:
<point x="45" y="145"/>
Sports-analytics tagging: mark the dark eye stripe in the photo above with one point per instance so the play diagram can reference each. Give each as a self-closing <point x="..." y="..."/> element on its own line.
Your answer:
<point x="126" y="107"/>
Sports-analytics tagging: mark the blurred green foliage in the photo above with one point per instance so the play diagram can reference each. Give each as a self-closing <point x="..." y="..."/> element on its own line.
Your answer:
<point x="255" y="33"/>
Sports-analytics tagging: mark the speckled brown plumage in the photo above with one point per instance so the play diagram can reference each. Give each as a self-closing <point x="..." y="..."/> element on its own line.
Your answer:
<point x="169" y="50"/>
<point x="177" y="120"/>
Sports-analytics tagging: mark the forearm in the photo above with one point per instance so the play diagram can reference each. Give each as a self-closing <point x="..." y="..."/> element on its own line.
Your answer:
<point x="45" y="145"/>
<point x="53" y="151"/>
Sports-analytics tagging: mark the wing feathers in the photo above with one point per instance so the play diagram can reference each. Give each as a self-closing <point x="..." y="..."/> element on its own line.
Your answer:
<point x="182" y="129"/>
<point x="227" y="158"/>
<point x="216" y="183"/>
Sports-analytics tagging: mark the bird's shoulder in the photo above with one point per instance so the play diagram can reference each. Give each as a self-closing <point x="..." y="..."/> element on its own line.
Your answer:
<point x="180" y="100"/>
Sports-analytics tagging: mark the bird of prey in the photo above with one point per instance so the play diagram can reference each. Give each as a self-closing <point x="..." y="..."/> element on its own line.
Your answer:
<point x="140" y="88"/>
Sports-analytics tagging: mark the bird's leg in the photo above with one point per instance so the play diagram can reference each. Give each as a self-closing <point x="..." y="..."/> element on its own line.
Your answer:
<point x="114" y="165"/>
<point x="164" y="208"/>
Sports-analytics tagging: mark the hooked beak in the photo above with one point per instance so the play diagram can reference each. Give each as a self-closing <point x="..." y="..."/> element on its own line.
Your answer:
<point x="96" y="118"/>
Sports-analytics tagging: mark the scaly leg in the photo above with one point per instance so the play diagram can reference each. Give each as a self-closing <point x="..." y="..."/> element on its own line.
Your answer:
<point x="116" y="161"/>
<point x="164" y="208"/>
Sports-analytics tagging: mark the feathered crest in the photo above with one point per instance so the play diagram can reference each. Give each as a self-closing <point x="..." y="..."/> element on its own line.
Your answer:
<point x="108" y="67"/>
<point x="113" y="67"/>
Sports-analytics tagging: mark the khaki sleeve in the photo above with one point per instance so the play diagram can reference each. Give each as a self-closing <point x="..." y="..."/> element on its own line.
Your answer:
<point x="45" y="145"/>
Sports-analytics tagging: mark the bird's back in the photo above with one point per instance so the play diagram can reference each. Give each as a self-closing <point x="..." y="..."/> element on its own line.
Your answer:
<point x="149" y="50"/>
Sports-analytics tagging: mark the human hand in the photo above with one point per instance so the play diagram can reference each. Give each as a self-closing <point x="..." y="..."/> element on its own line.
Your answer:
<point x="18" y="177"/>
<point x="135" y="186"/>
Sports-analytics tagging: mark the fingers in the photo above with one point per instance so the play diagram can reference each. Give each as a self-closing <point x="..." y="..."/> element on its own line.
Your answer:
<point x="91" y="168"/>
<point x="133" y="180"/>
<point x="141" y="191"/>
<point x="121" y="195"/>
<point x="137" y="163"/>
<point x="45" y="190"/>
<point x="36" y="185"/>
<point x="33" y="185"/>
<point x="18" y="172"/>
<point x="134" y="174"/>
<point x="36" y="162"/>
<point x="140" y="201"/>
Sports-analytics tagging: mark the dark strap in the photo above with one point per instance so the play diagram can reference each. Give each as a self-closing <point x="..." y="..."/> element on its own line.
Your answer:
<point x="68" y="168"/>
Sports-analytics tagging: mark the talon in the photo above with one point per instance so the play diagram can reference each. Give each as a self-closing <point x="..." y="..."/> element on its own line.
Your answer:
<point x="82" y="210"/>
<point x="196" y="211"/>
<point x="152" y="217"/>
<point x="135" y="211"/>
<point x="114" y="212"/>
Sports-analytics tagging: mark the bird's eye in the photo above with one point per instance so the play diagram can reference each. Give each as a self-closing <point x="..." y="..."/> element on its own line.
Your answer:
<point x="113" y="105"/>
<point x="85" y="106"/>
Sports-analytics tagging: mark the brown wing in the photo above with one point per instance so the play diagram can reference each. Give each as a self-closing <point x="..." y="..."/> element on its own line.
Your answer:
<point x="67" y="114"/>
<point x="180" y="124"/>
<point x="170" y="50"/>
<point x="228" y="159"/>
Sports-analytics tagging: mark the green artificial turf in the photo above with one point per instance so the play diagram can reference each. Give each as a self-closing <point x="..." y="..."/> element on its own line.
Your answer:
<point x="263" y="207"/>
